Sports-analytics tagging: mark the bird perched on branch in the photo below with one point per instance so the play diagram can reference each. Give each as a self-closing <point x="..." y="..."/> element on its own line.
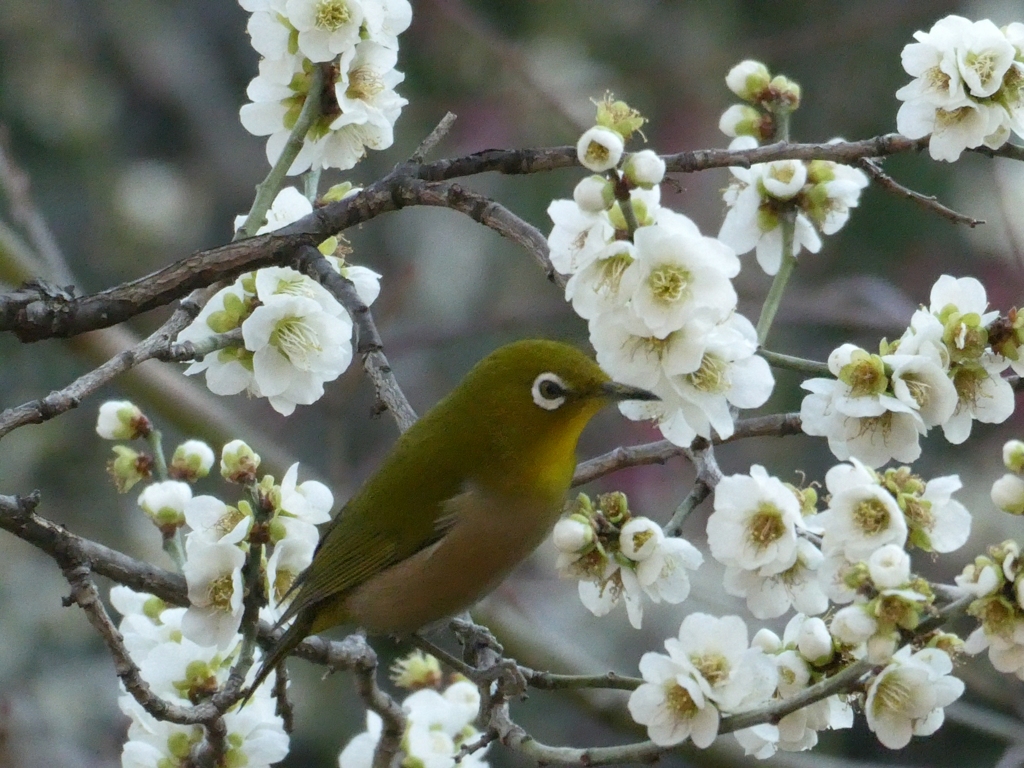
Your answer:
<point x="466" y="494"/>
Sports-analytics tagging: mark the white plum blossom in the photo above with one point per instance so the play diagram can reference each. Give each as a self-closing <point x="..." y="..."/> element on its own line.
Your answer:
<point x="599" y="149"/>
<point x="310" y="501"/>
<point x="212" y="521"/>
<point x="672" y="704"/>
<point x="678" y="275"/>
<point x="754" y="524"/>
<point x="908" y="696"/>
<point x="861" y="516"/>
<point x="214" y="576"/>
<point x="577" y="235"/>
<point x="921" y="382"/>
<point x="856" y="412"/>
<point x="292" y="555"/>
<point x="326" y="27"/>
<point x="606" y="283"/>
<point x="967" y="89"/>
<point x="296" y="347"/>
<point x="715" y="651"/>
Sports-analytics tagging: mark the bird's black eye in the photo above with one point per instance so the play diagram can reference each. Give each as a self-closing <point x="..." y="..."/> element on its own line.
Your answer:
<point x="549" y="391"/>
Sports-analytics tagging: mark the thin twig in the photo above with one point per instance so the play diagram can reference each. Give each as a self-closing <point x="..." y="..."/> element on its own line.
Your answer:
<point x="928" y="202"/>
<point x="369" y="345"/>
<point x="798" y="364"/>
<point x="702" y="455"/>
<point x="56" y="403"/>
<point x="433" y="138"/>
<point x="660" y="451"/>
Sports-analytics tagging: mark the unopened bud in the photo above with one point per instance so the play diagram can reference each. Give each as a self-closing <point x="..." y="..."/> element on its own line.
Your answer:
<point x="644" y="169"/>
<point x="128" y="467"/>
<point x="741" y="120"/>
<point x="852" y="625"/>
<point x="814" y="642"/>
<point x="192" y="460"/>
<point x="767" y="641"/>
<point x="573" y="534"/>
<point x="164" y="503"/>
<point x="594" y="194"/>
<point x="748" y="80"/>
<point x="889" y="567"/>
<point x="340" y="192"/>
<point x="1013" y="456"/>
<point x="1008" y="494"/>
<point x="239" y="462"/>
<point x="122" y="420"/>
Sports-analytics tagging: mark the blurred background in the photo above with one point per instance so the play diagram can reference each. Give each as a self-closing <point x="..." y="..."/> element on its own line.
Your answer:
<point x="124" y="114"/>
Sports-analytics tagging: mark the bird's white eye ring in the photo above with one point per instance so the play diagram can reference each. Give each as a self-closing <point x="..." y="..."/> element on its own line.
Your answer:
<point x="549" y="391"/>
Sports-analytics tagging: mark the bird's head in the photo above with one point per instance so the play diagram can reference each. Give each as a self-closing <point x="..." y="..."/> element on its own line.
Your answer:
<point x="530" y="400"/>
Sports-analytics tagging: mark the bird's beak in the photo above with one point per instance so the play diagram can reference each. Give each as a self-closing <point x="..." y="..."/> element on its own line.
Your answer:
<point x="617" y="391"/>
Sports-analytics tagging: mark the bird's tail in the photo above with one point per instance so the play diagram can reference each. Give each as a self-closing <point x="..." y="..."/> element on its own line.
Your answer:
<point x="294" y="635"/>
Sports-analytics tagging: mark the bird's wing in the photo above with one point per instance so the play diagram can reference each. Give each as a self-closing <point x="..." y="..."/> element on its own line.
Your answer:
<point x="346" y="558"/>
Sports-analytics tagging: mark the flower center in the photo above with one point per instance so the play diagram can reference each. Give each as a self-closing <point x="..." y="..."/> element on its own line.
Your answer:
<point x="226" y="523"/>
<point x="918" y="390"/>
<point x="937" y="79"/>
<point x="871" y="516"/>
<point x="713" y="666"/>
<point x="919" y="513"/>
<point x="597" y="153"/>
<point x="765" y="526"/>
<point x="611" y="273"/>
<point x="220" y="591"/>
<point x="641" y="538"/>
<point x="892" y="694"/>
<point x="331" y="15"/>
<point x="945" y="118"/>
<point x="984" y="64"/>
<point x="711" y="376"/>
<point x="967" y="381"/>
<point x="679" y="701"/>
<point x="668" y="283"/>
<point x="363" y="84"/>
<point x="297" y="341"/>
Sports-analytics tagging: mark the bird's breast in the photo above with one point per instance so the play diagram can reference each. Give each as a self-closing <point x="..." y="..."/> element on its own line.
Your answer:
<point x="492" y="533"/>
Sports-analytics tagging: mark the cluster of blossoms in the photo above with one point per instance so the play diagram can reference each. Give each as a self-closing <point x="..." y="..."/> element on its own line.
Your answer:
<point x="968" y="86"/>
<point x="996" y="580"/>
<point x="780" y="552"/>
<point x="355" y="43"/>
<point x="810" y="196"/>
<point x="183" y="672"/>
<point x="944" y="370"/>
<point x="185" y="654"/>
<point x="619" y="557"/>
<point x="710" y="669"/>
<point x="803" y="656"/>
<point x="657" y="295"/>
<point x="295" y="334"/>
<point x="439" y="722"/>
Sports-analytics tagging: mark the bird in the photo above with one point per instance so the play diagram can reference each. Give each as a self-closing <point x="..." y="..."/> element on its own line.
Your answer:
<point x="466" y="493"/>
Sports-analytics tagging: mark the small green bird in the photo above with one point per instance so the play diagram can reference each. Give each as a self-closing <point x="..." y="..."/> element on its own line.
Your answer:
<point x="467" y="493"/>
